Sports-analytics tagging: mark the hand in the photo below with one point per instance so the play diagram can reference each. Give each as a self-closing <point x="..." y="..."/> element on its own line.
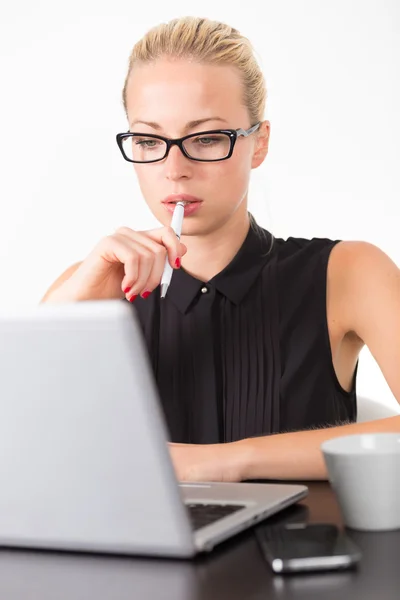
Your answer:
<point x="126" y="263"/>
<point x="209" y="462"/>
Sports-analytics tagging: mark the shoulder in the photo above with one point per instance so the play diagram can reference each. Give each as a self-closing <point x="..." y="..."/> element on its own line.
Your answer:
<point x="344" y="258"/>
<point x="358" y="263"/>
<point x="361" y="280"/>
<point x="358" y="252"/>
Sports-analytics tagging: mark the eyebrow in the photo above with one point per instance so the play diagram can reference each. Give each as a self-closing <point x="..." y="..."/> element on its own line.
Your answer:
<point x="188" y="126"/>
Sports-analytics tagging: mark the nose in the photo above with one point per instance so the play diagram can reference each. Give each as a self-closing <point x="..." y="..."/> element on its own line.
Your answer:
<point x="177" y="165"/>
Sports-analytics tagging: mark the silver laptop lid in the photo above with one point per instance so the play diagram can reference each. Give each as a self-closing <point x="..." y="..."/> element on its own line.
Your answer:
<point x="83" y="455"/>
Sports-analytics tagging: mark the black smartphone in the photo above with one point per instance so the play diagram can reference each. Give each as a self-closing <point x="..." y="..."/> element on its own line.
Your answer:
<point x="297" y="547"/>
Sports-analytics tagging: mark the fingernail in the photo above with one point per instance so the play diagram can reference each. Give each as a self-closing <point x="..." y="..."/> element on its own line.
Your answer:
<point x="133" y="298"/>
<point x="178" y="263"/>
<point x="146" y="294"/>
<point x="126" y="290"/>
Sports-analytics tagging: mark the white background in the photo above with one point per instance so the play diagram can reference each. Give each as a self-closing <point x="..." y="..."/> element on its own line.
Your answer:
<point x="332" y="72"/>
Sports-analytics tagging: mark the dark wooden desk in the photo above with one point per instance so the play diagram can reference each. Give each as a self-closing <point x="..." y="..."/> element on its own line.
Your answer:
<point x="234" y="571"/>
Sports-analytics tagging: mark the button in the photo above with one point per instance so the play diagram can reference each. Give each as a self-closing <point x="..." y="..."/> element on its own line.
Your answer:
<point x="204" y="290"/>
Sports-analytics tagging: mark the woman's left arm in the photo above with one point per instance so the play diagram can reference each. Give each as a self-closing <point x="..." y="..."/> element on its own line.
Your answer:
<point x="367" y="283"/>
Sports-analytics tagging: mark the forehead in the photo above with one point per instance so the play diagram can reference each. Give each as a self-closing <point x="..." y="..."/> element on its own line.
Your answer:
<point x="167" y="90"/>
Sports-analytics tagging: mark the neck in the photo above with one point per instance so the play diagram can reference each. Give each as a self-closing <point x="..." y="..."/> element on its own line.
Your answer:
<point x="209" y="254"/>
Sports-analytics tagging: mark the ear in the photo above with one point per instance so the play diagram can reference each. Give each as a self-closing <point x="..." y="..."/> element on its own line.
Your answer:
<point x="261" y="146"/>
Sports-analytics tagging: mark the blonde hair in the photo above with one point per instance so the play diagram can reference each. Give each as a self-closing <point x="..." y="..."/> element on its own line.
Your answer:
<point x="208" y="42"/>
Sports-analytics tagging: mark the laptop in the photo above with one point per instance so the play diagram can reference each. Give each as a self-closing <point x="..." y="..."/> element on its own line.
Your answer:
<point x="84" y="459"/>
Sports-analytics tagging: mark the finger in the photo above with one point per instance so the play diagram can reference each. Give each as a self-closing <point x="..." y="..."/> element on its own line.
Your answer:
<point x="150" y="269"/>
<point x="168" y="238"/>
<point x="138" y="269"/>
<point x="165" y="236"/>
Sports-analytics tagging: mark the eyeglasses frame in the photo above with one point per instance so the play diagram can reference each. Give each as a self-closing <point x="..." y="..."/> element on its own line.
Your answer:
<point x="232" y="133"/>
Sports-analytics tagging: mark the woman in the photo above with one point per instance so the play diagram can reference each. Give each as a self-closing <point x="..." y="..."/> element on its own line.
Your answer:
<point x="257" y="335"/>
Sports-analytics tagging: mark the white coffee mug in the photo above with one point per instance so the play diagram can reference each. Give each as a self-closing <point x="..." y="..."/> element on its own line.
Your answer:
<point x="364" y="471"/>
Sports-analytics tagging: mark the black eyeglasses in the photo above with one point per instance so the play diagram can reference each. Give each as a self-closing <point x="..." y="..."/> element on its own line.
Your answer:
<point x="205" y="146"/>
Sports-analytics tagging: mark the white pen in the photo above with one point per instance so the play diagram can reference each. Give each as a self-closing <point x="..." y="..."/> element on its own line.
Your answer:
<point x="176" y="224"/>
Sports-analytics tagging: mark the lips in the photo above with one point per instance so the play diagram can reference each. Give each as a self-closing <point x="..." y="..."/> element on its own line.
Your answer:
<point x="192" y="205"/>
<point x="174" y="198"/>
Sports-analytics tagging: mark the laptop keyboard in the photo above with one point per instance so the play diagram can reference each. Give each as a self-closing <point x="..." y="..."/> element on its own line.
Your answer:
<point x="205" y="514"/>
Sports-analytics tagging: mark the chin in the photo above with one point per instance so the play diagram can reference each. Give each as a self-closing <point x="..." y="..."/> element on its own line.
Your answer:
<point x="198" y="227"/>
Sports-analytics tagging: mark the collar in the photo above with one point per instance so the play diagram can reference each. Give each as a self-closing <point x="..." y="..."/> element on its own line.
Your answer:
<point x="234" y="281"/>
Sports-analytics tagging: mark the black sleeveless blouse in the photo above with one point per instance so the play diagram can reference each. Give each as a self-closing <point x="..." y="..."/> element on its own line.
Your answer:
<point x="247" y="353"/>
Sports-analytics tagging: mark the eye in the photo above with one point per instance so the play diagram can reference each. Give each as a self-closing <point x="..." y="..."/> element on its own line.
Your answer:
<point x="147" y="143"/>
<point x="207" y="140"/>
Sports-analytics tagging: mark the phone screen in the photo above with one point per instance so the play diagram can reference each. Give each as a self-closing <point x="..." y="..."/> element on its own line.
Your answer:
<point x="295" y="547"/>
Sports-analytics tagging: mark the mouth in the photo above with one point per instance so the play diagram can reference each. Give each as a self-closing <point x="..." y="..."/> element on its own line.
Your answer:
<point x="192" y="204"/>
<point x="185" y="198"/>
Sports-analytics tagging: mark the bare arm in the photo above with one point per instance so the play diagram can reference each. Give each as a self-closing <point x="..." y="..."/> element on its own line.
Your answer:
<point x="297" y="455"/>
<point x="294" y="455"/>
<point x="59" y="281"/>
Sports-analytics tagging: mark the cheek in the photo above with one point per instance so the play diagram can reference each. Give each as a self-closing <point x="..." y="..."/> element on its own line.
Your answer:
<point x="147" y="178"/>
<point x="236" y="170"/>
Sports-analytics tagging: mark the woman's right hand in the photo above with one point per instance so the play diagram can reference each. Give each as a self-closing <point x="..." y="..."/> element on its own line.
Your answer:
<point x="126" y="263"/>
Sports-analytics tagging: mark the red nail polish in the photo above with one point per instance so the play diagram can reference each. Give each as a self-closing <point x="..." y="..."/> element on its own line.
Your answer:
<point x="126" y="290"/>
<point x="133" y="298"/>
<point x="178" y="263"/>
<point x="146" y="294"/>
